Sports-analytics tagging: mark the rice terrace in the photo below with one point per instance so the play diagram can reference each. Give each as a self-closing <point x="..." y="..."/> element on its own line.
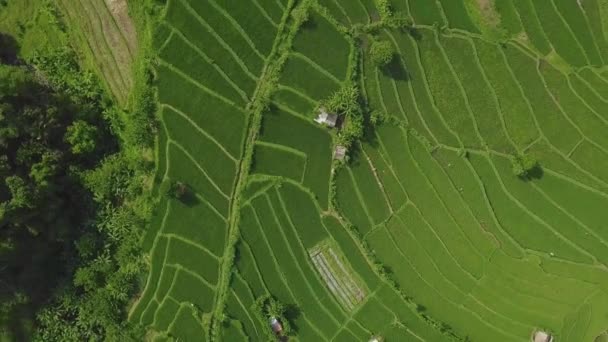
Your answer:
<point x="379" y="170"/>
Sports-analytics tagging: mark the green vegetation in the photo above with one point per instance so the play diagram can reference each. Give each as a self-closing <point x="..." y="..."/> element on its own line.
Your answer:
<point x="381" y="53"/>
<point x="74" y="196"/>
<point x="193" y="194"/>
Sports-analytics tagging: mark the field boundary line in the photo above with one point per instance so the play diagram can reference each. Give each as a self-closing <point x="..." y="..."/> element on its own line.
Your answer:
<point x="217" y="37"/>
<point x="491" y="89"/>
<point x="589" y="86"/>
<point x="290" y="111"/>
<point x="359" y="195"/>
<point x="447" y="300"/>
<point x="313" y="268"/>
<point x="490" y="208"/>
<point x="571" y="152"/>
<point x="201" y="169"/>
<point x="189" y="242"/>
<point x="104" y="8"/>
<point x="567" y="213"/>
<point x="337" y="3"/>
<point x="114" y="85"/>
<point x="182" y="268"/>
<point x="237" y="27"/>
<point x="432" y="186"/>
<point x="149" y="277"/>
<point x="593" y="35"/>
<point x="463" y="92"/>
<point x="280" y="4"/>
<point x="187" y="78"/>
<point x="424" y="79"/>
<point x="265" y="14"/>
<point x="385" y="156"/>
<point x="565" y="23"/>
<point x="411" y="90"/>
<point x="315" y="66"/>
<point x="119" y="28"/>
<point x="257" y="105"/>
<point x="306" y="261"/>
<point x="296" y="92"/>
<point x="541" y="132"/>
<point x="561" y="109"/>
<point x="246" y="311"/>
<point x="175" y="31"/>
<point x="535" y="217"/>
<point x="576" y="182"/>
<point x="377" y="179"/>
<point x="379" y="91"/>
<point x="396" y="321"/>
<point x="591" y="109"/>
<point x="108" y="48"/>
<point x="281" y="147"/>
<point x="278" y="268"/>
<point x="255" y="262"/>
<point x="398" y="96"/>
<point x="199" y="129"/>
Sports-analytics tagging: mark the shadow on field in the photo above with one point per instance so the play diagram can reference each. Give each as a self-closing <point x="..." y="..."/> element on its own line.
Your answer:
<point x="189" y="198"/>
<point x="535" y="173"/>
<point x="309" y="24"/>
<point x="396" y="70"/>
<point x="9" y="50"/>
<point x="292" y="312"/>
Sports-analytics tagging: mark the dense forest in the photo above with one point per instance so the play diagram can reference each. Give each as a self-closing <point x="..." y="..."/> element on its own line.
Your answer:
<point x="74" y="196"/>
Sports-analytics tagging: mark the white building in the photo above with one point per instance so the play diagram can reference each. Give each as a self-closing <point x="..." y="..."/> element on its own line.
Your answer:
<point x="326" y="118"/>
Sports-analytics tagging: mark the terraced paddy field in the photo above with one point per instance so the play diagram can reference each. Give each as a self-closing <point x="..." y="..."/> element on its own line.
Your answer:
<point x="425" y="233"/>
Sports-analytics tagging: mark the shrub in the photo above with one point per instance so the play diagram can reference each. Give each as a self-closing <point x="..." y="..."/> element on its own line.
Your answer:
<point x="523" y="165"/>
<point x="381" y="53"/>
<point x="173" y="189"/>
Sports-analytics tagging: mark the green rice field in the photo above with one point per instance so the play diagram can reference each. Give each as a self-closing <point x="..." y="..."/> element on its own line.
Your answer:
<point x="426" y="231"/>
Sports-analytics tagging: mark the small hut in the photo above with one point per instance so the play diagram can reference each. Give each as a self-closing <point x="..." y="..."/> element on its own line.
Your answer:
<point x="376" y="339"/>
<point x="339" y="152"/>
<point x="541" y="336"/>
<point x="325" y="118"/>
<point x="276" y="326"/>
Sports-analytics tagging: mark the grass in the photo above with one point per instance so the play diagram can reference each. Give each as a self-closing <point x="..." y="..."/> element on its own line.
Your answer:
<point x="199" y="224"/>
<point x="560" y="35"/>
<point x="194" y="258"/>
<point x="532" y="26"/>
<point x="466" y="248"/>
<point x="554" y="126"/>
<point x="317" y="30"/>
<point x="426" y="13"/>
<point x="187" y="288"/>
<point x="314" y="141"/>
<point x="276" y="160"/>
<point x="458" y="16"/>
<point x="442" y="82"/>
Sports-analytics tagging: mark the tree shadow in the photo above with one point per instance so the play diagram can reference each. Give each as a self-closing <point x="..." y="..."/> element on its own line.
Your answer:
<point x="395" y="70"/>
<point x="534" y="173"/>
<point x="189" y="198"/>
<point x="292" y="312"/>
<point x="414" y="33"/>
<point x="9" y="50"/>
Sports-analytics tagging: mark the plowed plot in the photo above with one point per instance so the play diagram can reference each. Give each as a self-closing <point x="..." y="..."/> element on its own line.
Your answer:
<point x="435" y="228"/>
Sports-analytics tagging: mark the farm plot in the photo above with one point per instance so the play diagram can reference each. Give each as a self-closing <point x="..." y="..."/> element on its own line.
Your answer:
<point x="107" y="32"/>
<point x="337" y="276"/>
<point x="313" y="264"/>
<point x="209" y="61"/>
<point x="462" y="232"/>
<point x="311" y="73"/>
<point x="426" y="233"/>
